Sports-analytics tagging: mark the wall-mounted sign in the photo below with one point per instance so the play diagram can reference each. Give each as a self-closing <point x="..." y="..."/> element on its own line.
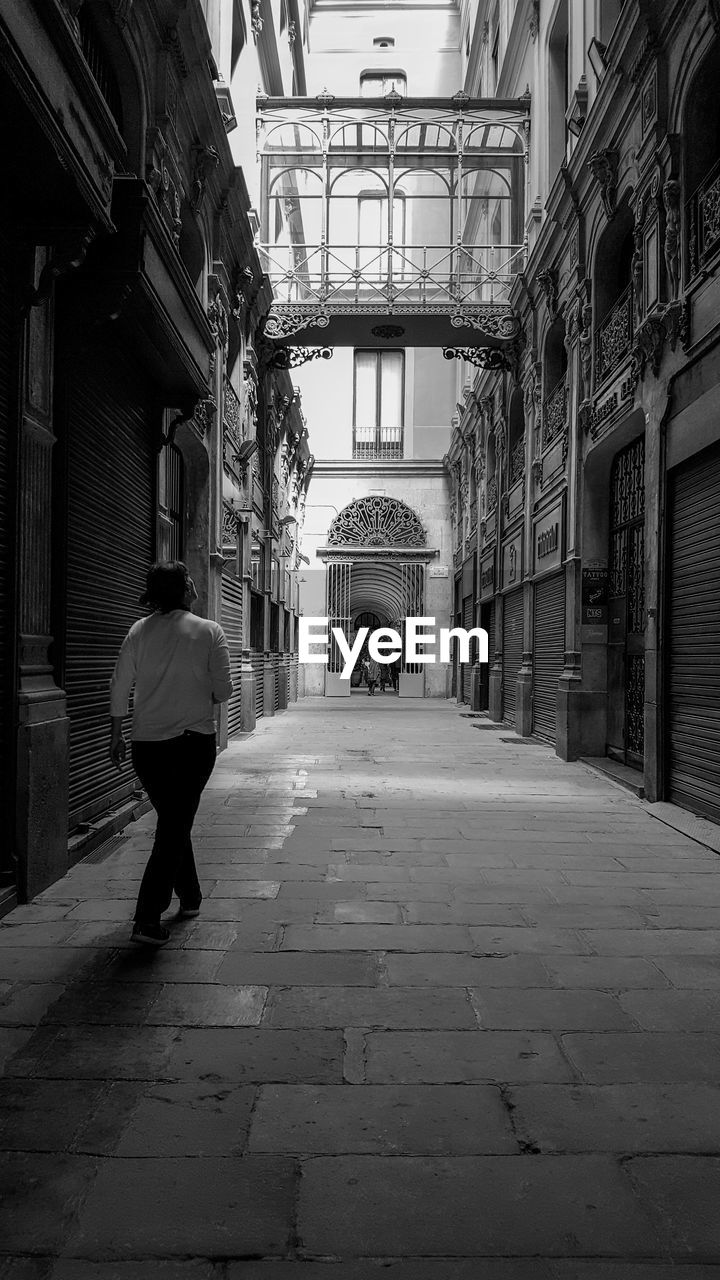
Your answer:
<point x="487" y="576"/>
<point x="595" y="595"/>
<point x="512" y="566"/>
<point x="548" y="539"/>
<point x="617" y="399"/>
<point x="438" y="571"/>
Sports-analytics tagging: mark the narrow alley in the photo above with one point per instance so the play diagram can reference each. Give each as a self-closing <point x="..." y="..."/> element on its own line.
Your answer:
<point x="451" y="1011"/>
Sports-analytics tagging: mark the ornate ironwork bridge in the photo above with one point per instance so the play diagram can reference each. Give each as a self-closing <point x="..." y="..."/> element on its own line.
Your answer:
<point x="377" y="209"/>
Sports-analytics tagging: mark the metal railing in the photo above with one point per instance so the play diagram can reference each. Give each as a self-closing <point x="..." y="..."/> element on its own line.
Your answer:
<point x="378" y="443"/>
<point x="555" y="412"/>
<point x="423" y="275"/>
<point x="703" y="221"/>
<point x="614" y="337"/>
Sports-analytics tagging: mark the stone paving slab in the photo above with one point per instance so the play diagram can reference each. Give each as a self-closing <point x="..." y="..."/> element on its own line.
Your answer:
<point x="370" y="1007"/>
<point x="385" y="1119"/>
<point x="207" y="1206"/>
<point x="619" y="1118"/>
<point x="450" y="1057"/>
<point x="566" y="1204"/>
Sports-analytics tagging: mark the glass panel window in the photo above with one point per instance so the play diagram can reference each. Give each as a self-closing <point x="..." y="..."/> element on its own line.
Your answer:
<point x="378" y="402"/>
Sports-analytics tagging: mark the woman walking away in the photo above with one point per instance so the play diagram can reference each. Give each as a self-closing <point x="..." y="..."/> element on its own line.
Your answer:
<point x="179" y="665"/>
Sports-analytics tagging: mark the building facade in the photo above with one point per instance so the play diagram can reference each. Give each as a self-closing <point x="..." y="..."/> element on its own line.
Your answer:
<point x="586" y="466"/>
<point x="141" y="414"/>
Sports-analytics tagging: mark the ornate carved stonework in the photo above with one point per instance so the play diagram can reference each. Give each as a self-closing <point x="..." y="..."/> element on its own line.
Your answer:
<point x="648" y="347"/>
<point x="534" y="19"/>
<point x="603" y="165"/>
<point x="671" y="200"/>
<point x="547" y="282"/>
<point x="205" y="159"/>
<point x="585" y="344"/>
<point x="676" y="317"/>
<point x="377" y="522"/>
<point x="256" y="18"/>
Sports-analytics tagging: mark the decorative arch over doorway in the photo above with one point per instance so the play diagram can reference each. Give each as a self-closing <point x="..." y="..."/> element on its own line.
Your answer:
<point x="376" y="554"/>
<point x="377" y="522"/>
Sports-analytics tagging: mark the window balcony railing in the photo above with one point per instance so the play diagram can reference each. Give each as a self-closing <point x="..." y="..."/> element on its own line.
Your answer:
<point x="491" y="494"/>
<point x="517" y="461"/>
<point x="378" y="444"/>
<point x="614" y="338"/>
<point x="555" y="412"/>
<point x="703" y="222"/>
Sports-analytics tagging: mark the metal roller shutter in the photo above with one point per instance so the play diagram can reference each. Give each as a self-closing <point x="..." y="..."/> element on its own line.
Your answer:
<point x="548" y="652"/>
<point x="277" y="662"/>
<point x="232" y="616"/>
<point x="7" y="379"/>
<point x="512" y="650"/>
<point x="294" y="677"/>
<point x="693" y="647"/>
<point x="258" y="665"/>
<point x="468" y="623"/>
<point x="110" y="543"/>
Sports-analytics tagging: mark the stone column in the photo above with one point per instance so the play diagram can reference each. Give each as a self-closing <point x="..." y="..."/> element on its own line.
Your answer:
<point x="43" y="725"/>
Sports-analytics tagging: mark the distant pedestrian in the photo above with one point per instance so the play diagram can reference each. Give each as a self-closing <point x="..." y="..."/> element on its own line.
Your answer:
<point x="179" y="665"/>
<point x="373" y="675"/>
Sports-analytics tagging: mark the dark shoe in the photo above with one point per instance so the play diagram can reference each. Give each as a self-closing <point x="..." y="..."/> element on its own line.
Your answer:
<point x="153" y="935"/>
<point x="185" y="913"/>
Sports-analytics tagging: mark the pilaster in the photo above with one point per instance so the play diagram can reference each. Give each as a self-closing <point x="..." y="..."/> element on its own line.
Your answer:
<point x="43" y="726"/>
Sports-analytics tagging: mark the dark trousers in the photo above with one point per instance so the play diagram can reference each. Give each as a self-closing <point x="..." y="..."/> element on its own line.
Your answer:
<point x="174" y="774"/>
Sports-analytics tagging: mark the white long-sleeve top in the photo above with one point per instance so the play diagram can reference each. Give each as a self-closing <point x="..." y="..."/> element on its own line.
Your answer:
<point x="180" y="667"/>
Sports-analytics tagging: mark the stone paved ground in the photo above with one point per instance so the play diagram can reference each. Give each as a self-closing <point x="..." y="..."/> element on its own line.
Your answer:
<point x="451" y="1012"/>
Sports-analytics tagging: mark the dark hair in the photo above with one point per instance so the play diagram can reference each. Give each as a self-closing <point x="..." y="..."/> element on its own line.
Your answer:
<point x="167" y="584"/>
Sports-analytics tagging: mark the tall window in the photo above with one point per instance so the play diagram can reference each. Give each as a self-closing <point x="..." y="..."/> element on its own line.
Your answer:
<point x="378" y="400"/>
<point x="375" y="84"/>
<point x="372" y="233"/>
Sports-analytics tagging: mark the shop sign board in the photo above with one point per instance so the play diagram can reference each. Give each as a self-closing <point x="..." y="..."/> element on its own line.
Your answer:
<point x="512" y="566"/>
<point x="594" y="603"/>
<point x="487" y="576"/>
<point x="548" y="540"/>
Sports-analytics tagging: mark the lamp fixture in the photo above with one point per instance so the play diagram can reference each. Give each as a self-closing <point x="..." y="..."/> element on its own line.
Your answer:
<point x="245" y="453"/>
<point x="286" y="520"/>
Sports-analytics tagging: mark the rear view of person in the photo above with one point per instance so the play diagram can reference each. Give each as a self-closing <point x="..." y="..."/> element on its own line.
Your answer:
<point x="179" y="665"/>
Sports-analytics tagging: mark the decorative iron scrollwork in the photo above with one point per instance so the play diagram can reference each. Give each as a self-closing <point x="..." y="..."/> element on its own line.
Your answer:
<point x="377" y="522"/>
<point x="481" y="357"/>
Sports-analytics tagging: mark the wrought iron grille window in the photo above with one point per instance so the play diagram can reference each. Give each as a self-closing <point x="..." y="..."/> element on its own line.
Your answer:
<point x="517" y="461"/>
<point x="555" y="412"/>
<point x="613" y="341"/>
<point x="703" y="221"/>
<point x="491" y="493"/>
<point x="378" y="404"/>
